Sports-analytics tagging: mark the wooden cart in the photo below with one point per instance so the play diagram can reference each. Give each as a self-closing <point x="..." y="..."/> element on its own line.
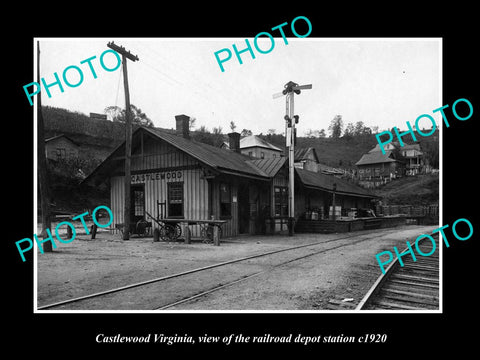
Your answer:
<point x="171" y="229"/>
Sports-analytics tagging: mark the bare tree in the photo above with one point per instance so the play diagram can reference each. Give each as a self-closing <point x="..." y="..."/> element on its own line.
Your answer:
<point x="191" y="124"/>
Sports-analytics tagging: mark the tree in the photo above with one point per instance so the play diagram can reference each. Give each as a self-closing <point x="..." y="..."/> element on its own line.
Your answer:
<point x="203" y="135"/>
<point x="191" y="124"/>
<point x="246" y="132"/>
<point x="232" y="126"/>
<point x="138" y="117"/>
<point x="217" y="136"/>
<point x="350" y="131"/>
<point x="430" y="151"/>
<point x="359" y="127"/>
<point x="336" y="127"/>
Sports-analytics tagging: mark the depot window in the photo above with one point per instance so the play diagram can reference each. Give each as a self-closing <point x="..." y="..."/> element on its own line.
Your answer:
<point x="175" y="199"/>
<point x="281" y="200"/>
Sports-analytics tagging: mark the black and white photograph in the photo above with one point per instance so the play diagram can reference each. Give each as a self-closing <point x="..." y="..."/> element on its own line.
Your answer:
<point x="246" y="190"/>
<point x="262" y="184"/>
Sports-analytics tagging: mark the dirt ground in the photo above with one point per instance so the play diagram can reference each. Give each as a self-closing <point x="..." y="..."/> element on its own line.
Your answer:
<point x="86" y="266"/>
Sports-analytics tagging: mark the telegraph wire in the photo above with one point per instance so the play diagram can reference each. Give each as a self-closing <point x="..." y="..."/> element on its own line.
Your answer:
<point x="203" y="96"/>
<point x="118" y="87"/>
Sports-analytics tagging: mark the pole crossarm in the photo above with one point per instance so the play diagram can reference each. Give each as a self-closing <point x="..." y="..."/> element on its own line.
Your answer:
<point x="122" y="51"/>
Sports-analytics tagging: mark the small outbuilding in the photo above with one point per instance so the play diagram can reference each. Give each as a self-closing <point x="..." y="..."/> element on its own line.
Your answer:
<point x="61" y="147"/>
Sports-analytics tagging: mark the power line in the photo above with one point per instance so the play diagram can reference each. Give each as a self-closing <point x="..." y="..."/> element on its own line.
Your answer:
<point x="204" y="92"/>
<point x="118" y="87"/>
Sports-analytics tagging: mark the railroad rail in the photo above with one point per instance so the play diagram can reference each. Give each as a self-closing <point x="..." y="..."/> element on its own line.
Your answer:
<point x="238" y="278"/>
<point x="415" y="286"/>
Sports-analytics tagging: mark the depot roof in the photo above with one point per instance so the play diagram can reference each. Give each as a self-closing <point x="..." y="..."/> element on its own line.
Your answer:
<point x="229" y="162"/>
<point x="222" y="160"/>
<point x="325" y="182"/>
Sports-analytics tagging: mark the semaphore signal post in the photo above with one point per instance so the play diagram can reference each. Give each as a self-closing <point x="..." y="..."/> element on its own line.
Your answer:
<point x="290" y="89"/>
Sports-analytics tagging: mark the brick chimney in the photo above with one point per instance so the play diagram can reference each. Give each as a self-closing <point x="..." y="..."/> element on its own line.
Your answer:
<point x="234" y="141"/>
<point x="182" y="126"/>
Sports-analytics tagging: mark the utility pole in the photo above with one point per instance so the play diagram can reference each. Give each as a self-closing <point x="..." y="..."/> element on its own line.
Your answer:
<point x="128" y="135"/>
<point x="42" y="167"/>
<point x="290" y="89"/>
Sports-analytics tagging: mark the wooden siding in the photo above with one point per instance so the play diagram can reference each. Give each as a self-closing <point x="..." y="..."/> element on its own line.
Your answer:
<point x="153" y="154"/>
<point x="256" y="152"/>
<point x="195" y="197"/>
<point x="156" y="164"/>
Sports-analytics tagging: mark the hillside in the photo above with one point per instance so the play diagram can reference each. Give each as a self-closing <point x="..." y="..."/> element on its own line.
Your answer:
<point x="345" y="152"/>
<point x="97" y="138"/>
<point x="411" y="190"/>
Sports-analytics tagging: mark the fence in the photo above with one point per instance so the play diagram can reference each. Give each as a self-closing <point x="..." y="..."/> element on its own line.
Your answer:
<point x="408" y="210"/>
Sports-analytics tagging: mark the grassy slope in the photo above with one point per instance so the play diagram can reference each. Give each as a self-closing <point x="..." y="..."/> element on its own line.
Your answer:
<point x="413" y="190"/>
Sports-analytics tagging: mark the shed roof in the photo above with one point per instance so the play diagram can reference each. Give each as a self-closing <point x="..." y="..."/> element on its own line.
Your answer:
<point x="269" y="166"/>
<point x="212" y="156"/>
<point x="255" y="141"/>
<point x="302" y="154"/>
<point x="53" y="138"/>
<point x="324" y="182"/>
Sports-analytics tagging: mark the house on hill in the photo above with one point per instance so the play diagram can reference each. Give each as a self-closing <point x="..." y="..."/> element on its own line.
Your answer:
<point x="413" y="157"/>
<point x="375" y="168"/>
<point x="61" y="147"/>
<point x="255" y="147"/>
<point x="175" y="177"/>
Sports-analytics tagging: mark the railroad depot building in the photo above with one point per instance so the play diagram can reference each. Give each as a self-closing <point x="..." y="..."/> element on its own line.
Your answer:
<point x="173" y="176"/>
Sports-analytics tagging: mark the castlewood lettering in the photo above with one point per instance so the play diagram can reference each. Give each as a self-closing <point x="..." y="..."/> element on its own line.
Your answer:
<point x="141" y="178"/>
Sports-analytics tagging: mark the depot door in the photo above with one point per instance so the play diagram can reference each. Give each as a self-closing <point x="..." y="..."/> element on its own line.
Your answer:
<point x="243" y="209"/>
<point x="137" y="203"/>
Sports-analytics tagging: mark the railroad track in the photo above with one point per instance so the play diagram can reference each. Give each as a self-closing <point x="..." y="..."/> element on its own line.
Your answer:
<point x="415" y="286"/>
<point x="286" y="258"/>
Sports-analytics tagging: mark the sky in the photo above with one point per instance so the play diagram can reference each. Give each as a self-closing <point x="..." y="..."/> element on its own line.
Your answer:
<point x="382" y="82"/>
